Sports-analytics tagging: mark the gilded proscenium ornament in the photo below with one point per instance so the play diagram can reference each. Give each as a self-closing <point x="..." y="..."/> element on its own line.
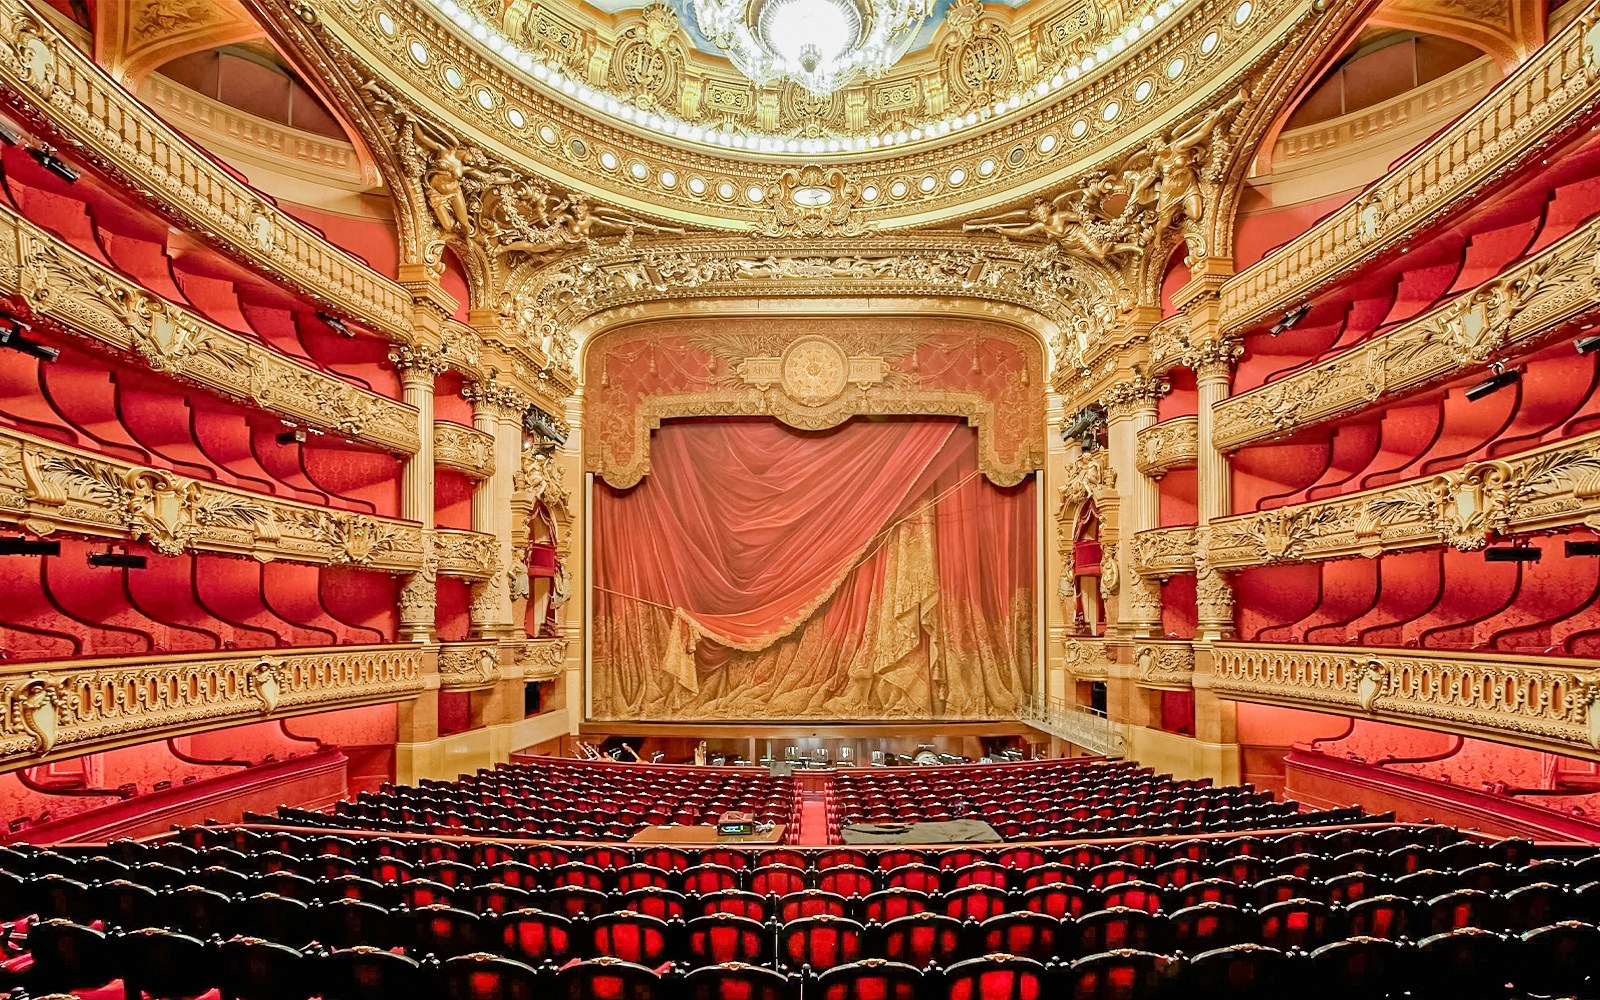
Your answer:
<point x="1551" y="487"/>
<point x="814" y="201"/>
<point x="541" y="479"/>
<point x="47" y="487"/>
<point x="52" y="710"/>
<point x="87" y="298"/>
<point x="1512" y="126"/>
<point x="1503" y="316"/>
<point x="64" y="93"/>
<point x="1171" y="444"/>
<point x="1539" y="702"/>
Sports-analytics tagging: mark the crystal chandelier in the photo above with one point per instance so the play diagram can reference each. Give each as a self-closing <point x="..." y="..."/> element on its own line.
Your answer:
<point x="820" y="44"/>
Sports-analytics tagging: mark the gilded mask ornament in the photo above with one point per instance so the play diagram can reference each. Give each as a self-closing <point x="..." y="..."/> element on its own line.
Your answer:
<point x="36" y="58"/>
<point x="38" y="705"/>
<point x="1469" y="506"/>
<point x="812" y="202"/>
<point x="266" y="685"/>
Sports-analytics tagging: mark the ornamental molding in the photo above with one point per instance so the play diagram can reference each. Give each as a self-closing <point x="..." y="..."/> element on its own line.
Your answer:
<point x="1071" y="302"/>
<point x="542" y="479"/>
<point x="1535" y="109"/>
<point x="470" y="555"/>
<point x="1548" y="488"/>
<point x="469" y="666"/>
<point x="1163" y="665"/>
<point x="87" y="298"/>
<point x="1500" y="317"/>
<point x="542" y="659"/>
<point x="63" y="93"/>
<point x="1171" y="444"/>
<point x="1087" y="659"/>
<point x="1126" y="398"/>
<point x="945" y="174"/>
<point x="495" y="396"/>
<point x="55" y="710"/>
<point x="1164" y="552"/>
<point x="464" y="449"/>
<point x="1088" y="478"/>
<point x="1539" y="702"/>
<point x="47" y="487"/>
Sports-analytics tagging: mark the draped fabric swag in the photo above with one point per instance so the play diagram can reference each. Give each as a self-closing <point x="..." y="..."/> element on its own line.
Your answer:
<point x="760" y="572"/>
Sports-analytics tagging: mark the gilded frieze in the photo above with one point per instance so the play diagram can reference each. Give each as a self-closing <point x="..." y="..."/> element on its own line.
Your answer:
<point x="1544" y="703"/>
<point x="52" y="710"/>
<point x="463" y="448"/>
<point x="468" y="666"/>
<point x="1171" y="444"/>
<point x="47" y="487"/>
<point x="472" y="555"/>
<point x="1164" y="665"/>
<point x="1164" y="552"/>
<point x="1551" y="487"/>
<point x="1498" y="318"/>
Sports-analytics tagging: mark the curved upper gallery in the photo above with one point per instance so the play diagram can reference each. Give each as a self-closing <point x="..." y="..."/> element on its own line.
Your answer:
<point x="1001" y="106"/>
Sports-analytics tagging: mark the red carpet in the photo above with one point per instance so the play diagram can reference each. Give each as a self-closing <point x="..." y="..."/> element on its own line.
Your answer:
<point x="813" y="819"/>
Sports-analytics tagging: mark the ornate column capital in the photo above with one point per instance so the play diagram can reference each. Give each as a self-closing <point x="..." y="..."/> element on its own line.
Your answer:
<point x="418" y="362"/>
<point x="1213" y="357"/>
<point x="491" y="394"/>
<point x="1126" y="398"/>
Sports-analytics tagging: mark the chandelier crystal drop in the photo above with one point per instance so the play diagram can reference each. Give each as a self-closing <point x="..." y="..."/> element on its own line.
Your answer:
<point x="820" y="44"/>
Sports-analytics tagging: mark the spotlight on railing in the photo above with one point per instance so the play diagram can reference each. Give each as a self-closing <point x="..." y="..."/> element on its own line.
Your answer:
<point x="1500" y="378"/>
<point x="1582" y="549"/>
<point x="1512" y="554"/>
<point x="117" y="560"/>
<point x="295" y="433"/>
<point x="29" y="547"/>
<point x="336" y="324"/>
<point x="1587" y="345"/>
<point x="14" y="337"/>
<point x="1290" y="318"/>
<point x="45" y="155"/>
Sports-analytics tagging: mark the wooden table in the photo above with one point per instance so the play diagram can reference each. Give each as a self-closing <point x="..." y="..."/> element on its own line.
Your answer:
<point x="702" y="836"/>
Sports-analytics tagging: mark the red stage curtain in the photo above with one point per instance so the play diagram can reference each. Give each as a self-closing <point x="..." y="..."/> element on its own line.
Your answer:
<point x="868" y="571"/>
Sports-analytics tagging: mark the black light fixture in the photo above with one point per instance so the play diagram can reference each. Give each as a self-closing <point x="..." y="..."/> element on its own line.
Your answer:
<point x="1501" y="377"/>
<point x="118" y="560"/>
<point x="296" y="436"/>
<point x="336" y="324"/>
<point x="1588" y="344"/>
<point x="1582" y="549"/>
<point x="9" y="135"/>
<point x="1290" y="318"/>
<point x="45" y="155"/>
<point x="1512" y="554"/>
<point x="28" y="547"/>
<point x="15" y="337"/>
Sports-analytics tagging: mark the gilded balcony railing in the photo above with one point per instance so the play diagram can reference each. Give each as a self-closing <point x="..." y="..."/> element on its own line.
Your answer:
<point x="1532" y="110"/>
<point x="67" y="708"/>
<point x="62" y="92"/>
<point x="1539" y="702"/>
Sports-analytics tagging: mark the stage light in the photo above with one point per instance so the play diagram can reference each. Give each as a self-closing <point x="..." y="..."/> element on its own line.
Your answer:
<point x="1290" y="318"/>
<point x="336" y="324"/>
<point x="14" y="337"/>
<point x="1513" y="554"/>
<point x="45" y="156"/>
<point x="119" y="560"/>
<point x="297" y="436"/>
<point x="1583" y="548"/>
<point x="1587" y="345"/>
<point x="28" y="547"/>
<point x="1501" y="378"/>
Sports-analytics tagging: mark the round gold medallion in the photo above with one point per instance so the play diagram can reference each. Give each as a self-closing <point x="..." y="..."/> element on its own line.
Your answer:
<point x="815" y="371"/>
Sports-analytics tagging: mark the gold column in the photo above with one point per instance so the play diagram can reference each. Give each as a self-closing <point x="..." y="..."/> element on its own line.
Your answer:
<point x="1130" y="408"/>
<point x="497" y="411"/>
<point x="418" y="367"/>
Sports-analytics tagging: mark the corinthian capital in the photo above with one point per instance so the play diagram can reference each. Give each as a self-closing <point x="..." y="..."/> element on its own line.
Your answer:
<point x="494" y="394"/>
<point x="419" y="360"/>
<point x="1124" y="399"/>
<point x="1213" y="355"/>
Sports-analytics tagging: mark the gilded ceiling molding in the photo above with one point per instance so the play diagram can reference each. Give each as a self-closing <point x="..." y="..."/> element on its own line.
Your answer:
<point x="1539" y="702"/>
<point x="1535" y="109"/>
<point x="55" y="710"/>
<point x="814" y="375"/>
<point x="1171" y="444"/>
<point x="87" y="298"/>
<point x="59" y="91"/>
<point x="682" y="183"/>
<point x="1502" y="317"/>
<point x="1555" y="486"/>
<point x="47" y="487"/>
<point x="1070" y="298"/>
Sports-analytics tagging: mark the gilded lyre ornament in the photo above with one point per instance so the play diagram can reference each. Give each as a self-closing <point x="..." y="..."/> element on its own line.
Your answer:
<point x="812" y="201"/>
